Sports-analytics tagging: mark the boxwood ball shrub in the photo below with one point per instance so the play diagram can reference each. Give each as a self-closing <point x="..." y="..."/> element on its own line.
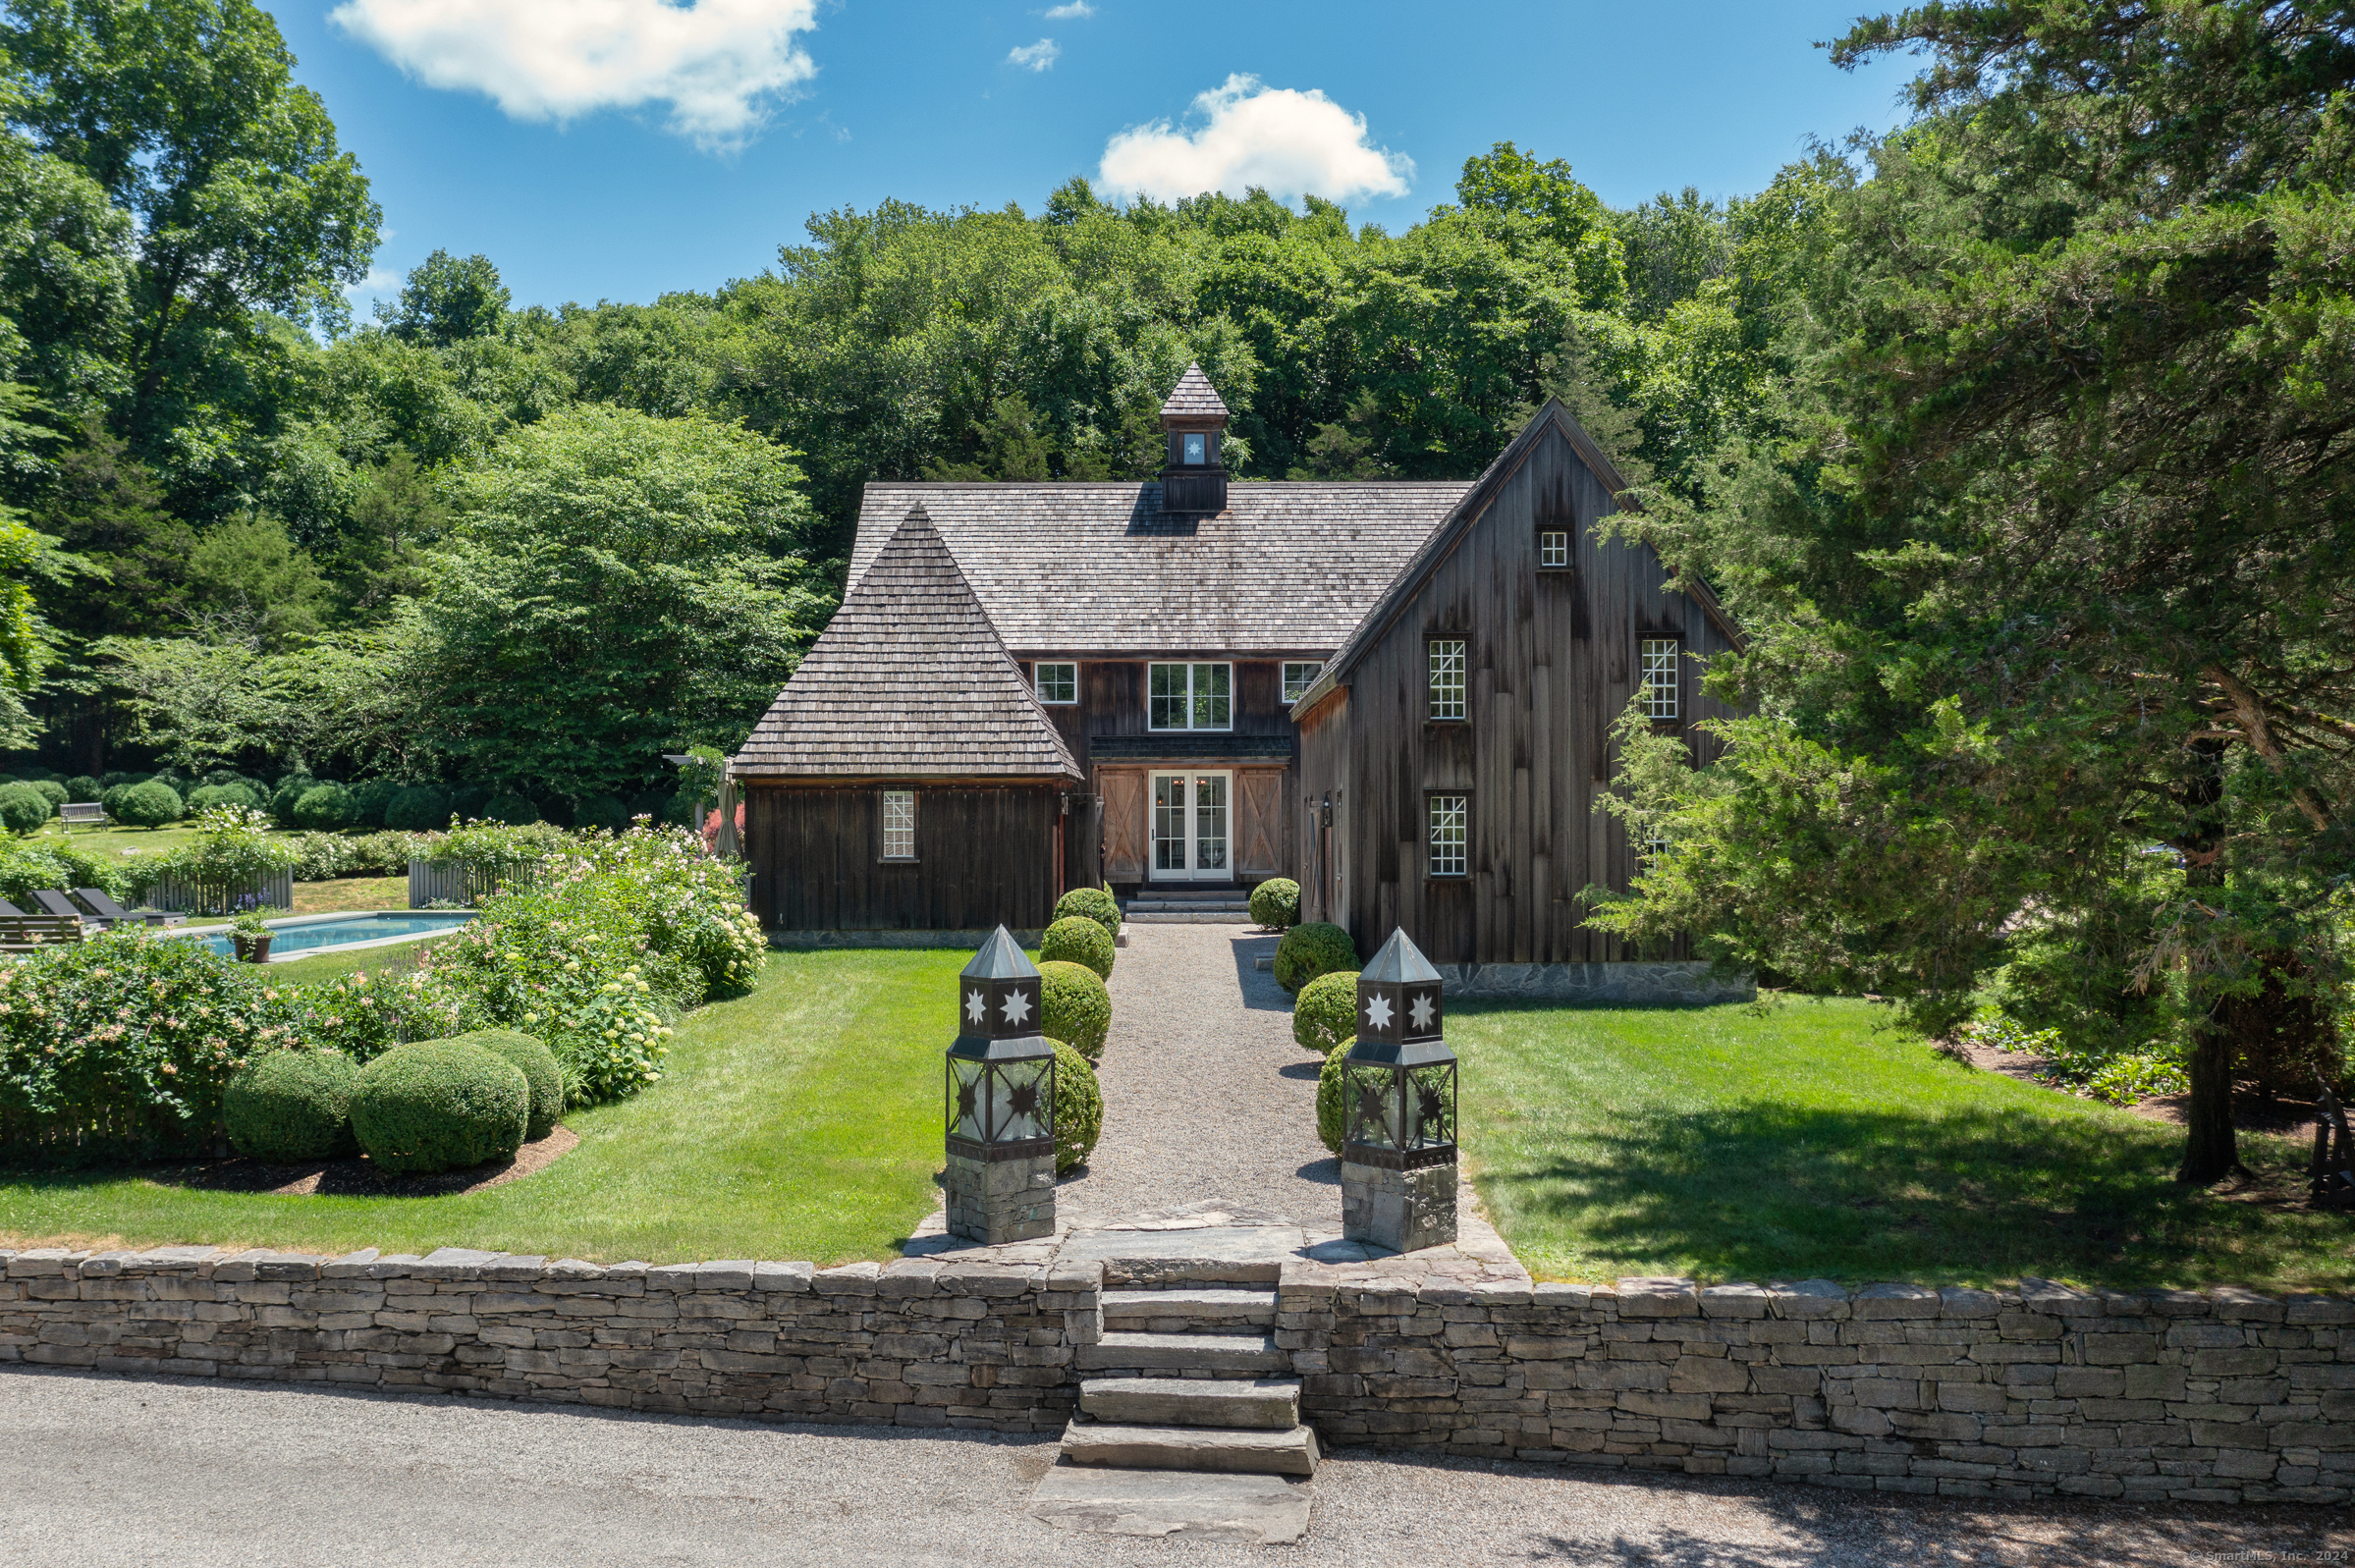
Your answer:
<point x="1074" y="1006"/>
<point x="369" y="798"/>
<point x="51" y="791"/>
<point x="82" y="787"/>
<point x="23" y="808"/>
<point x="439" y="1104"/>
<point x="1079" y="1107"/>
<point x="152" y="804"/>
<point x="609" y="812"/>
<point x="1075" y="938"/>
<point x="1331" y="1110"/>
<point x="291" y="1104"/>
<point x="290" y="791"/>
<point x="1326" y="1015"/>
<point x="1313" y="950"/>
<point x="421" y="808"/>
<point x="540" y="1071"/>
<point x="1276" y="903"/>
<point x="512" y="809"/>
<point x="207" y="796"/>
<point x="1093" y="902"/>
<point x="326" y="807"/>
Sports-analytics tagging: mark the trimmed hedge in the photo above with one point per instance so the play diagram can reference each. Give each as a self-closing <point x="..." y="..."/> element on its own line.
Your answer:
<point x="23" y="808"/>
<point x="1076" y="939"/>
<point x="369" y="798"/>
<point x="421" y="808"/>
<point x="325" y="808"/>
<point x="439" y="1104"/>
<point x="289" y="790"/>
<point x="1332" y="1113"/>
<point x="292" y="1106"/>
<point x="540" y="1071"/>
<point x="517" y="811"/>
<point x="1079" y="1107"/>
<point x="1074" y="1006"/>
<point x="1313" y="950"/>
<point x="52" y="791"/>
<point x="1326" y="1015"/>
<point x="1276" y="903"/>
<point x="207" y="796"/>
<point x="1096" y="903"/>
<point x="82" y="789"/>
<point x="152" y="804"/>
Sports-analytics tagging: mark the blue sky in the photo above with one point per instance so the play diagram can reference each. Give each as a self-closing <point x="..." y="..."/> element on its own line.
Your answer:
<point x="618" y="149"/>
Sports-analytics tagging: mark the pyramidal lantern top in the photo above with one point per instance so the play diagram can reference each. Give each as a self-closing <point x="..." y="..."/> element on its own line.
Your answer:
<point x="997" y="1002"/>
<point x="1398" y="1003"/>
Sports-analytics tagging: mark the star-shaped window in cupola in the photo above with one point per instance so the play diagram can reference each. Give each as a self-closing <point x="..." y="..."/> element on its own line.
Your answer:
<point x="1421" y="1011"/>
<point x="1378" y="1011"/>
<point x="976" y="1007"/>
<point x="1016" y="1007"/>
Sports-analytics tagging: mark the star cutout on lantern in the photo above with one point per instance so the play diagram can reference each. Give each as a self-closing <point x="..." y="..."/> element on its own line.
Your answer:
<point x="1420" y="1013"/>
<point x="976" y="1007"/>
<point x="1016" y="1007"/>
<point x="1378" y="1011"/>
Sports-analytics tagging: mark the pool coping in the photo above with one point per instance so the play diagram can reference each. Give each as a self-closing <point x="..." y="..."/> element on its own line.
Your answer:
<point x="222" y="927"/>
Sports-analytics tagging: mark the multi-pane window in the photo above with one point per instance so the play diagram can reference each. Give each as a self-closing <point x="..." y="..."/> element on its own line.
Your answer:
<point x="1659" y="678"/>
<point x="1196" y="446"/>
<point x="1446" y="677"/>
<point x="1189" y="696"/>
<point x="1298" y="678"/>
<point x="1554" y="547"/>
<point x="899" y="825"/>
<point x="1451" y="835"/>
<point x="1058" y="683"/>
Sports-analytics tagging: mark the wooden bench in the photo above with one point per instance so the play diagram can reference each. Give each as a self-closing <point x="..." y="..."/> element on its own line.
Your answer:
<point x="31" y="932"/>
<point x="84" y="813"/>
<point x="2332" y="1173"/>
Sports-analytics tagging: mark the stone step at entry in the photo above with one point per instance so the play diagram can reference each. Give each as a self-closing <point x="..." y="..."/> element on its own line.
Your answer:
<point x="1230" y="1450"/>
<point x="1208" y="905"/>
<point x="1188" y="1310"/>
<point x="1183" y="1354"/>
<point x="1264" y="1404"/>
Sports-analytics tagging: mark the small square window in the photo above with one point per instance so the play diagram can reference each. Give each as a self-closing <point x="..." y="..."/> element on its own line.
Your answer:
<point x="1197" y="449"/>
<point x="1057" y="684"/>
<point x="899" y="825"/>
<point x="1446" y="677"/>
<point x="1659" y="678"/>
<point x="1554" y="548"/>
<point x="1450" y="835"/>
<point x="1298" y="678"/>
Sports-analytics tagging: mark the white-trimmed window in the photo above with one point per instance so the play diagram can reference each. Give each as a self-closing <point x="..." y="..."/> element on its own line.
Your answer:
<point x="1298" y="678"/>
<point x="1195" y="448"/>
<point x="1446" y="677"/>
<point x="1659" y="678"/>
<point x="899" y="825"/>
<point x="1450" y="835"/>
<point x="1553" y="548"/>
<point x="1189" y="696"/>
<point x="1056" y="683"/>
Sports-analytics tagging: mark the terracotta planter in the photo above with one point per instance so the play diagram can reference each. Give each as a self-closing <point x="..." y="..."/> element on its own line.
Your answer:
<point x="252" y="950"/>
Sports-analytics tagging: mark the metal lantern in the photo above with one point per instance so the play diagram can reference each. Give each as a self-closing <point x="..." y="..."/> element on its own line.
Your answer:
<point x="1399" y="1077"/>
<point x="1001" y="1080"/>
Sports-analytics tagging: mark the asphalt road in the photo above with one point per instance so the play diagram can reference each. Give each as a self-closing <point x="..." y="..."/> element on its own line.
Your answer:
<point x="114" y="1471"/>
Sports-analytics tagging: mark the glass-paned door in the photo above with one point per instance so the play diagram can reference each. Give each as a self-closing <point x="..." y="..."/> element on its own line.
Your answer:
<point x="1192" y="826"/>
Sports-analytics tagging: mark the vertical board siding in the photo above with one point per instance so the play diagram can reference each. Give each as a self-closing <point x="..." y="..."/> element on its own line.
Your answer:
<point x="984" y="856"/>
<point x="1552" y="661"/>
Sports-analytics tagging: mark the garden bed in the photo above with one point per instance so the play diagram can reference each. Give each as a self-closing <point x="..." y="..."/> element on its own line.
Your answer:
<point x="359" y="1178"/>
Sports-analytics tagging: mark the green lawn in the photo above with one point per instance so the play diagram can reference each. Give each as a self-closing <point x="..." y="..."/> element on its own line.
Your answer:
<point x="800" y="1121"/>
<point x="1807" y="1139"/>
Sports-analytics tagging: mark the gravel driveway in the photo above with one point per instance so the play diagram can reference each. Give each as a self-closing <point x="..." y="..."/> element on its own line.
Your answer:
<point x="1206" y="1098"/>
<point x="187" y="1473"/>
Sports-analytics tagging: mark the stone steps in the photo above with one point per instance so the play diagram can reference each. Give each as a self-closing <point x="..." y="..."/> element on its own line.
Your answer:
<point x="1228" y="1450"/>
<point x="1188" y="1310"/>
<point x="1264" y="1404"/>
<point x="1182" y="1353"/>
<point x="1165" y="906"/>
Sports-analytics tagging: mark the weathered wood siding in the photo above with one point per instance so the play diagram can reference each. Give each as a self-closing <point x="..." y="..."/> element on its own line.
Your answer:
<point x="1552" y="659"/>
<point x="984" y="856"/>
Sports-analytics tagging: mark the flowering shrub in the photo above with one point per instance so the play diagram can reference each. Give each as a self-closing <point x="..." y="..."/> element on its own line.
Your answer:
<point x="235" y="848"/>
<point x="322" y="856"/>
<point x="365" y="1015"/>
<point x="121" y="1044"/>
<point x="26" y="868"/>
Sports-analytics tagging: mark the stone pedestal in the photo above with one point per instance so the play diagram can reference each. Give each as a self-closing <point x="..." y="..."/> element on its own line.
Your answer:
<point x="1401" y="1209"/>
<point x="994" y="1201"/>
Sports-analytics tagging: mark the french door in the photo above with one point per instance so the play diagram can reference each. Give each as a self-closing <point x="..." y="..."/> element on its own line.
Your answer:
<point x="1192" y="823"/>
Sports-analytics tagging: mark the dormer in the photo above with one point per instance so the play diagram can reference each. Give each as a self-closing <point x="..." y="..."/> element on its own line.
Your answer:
<point x="1194" y="421"/>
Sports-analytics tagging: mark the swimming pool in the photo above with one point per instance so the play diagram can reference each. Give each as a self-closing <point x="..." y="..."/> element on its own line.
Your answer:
<point x="309" y="934"/>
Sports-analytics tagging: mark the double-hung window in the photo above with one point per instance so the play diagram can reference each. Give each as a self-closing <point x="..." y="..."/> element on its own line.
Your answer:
<point x="1446" y="677"/>
<point x="1298" y="678"/>
<point x="1189" y="696"/>
<point x="1057" y="682"/>
<point x="1552" y="548"/>
<point x="899" y="825"/>
<point x="1451" y="831"/>
<point x="1659" y="679"/>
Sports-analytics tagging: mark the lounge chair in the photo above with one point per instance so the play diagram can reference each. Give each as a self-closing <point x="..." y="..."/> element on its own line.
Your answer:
<point x="9" y="911"/>
<point x="52" y="902"/>
<point x="97" y="901"/>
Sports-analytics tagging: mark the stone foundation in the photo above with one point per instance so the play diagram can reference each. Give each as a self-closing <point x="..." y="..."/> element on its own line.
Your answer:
<point x="1405" y="1211"/>
<point x="1622" y="985"/>
<point x="997" y="1201"/>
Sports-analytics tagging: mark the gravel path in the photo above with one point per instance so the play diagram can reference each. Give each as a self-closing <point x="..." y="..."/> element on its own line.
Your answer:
<point x="1207" y="1101"/>
<point x="189" y="1473"/>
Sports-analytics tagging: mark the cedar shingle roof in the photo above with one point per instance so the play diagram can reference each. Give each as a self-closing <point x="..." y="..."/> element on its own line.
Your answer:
<point x="909" y="682"/>
<point x="1093" y="570"/>
<point x="1194" y="395"/>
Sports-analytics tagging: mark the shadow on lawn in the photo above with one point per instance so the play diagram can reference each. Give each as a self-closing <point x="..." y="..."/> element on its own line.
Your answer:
<point x="1775" y="1191"/>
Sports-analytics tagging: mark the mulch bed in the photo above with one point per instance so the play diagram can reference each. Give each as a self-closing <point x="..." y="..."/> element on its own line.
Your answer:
<point x="359" y="1178"/>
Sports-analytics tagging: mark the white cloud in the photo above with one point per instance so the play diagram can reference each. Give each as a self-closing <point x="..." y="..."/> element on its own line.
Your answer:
<point x="1294" y="143"/>
<point x="1077" y="11"/>
<point x="377" y="282"/>
<point x="715" y="61"/>
<point x="1033" y="55"/>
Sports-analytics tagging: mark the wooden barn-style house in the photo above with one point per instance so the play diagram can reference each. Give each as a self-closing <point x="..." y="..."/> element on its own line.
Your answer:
<point x="1399" y="693"/>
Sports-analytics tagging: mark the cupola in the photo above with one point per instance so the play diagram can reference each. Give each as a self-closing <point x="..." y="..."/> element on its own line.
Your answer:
<point x="1194" y="421"/>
